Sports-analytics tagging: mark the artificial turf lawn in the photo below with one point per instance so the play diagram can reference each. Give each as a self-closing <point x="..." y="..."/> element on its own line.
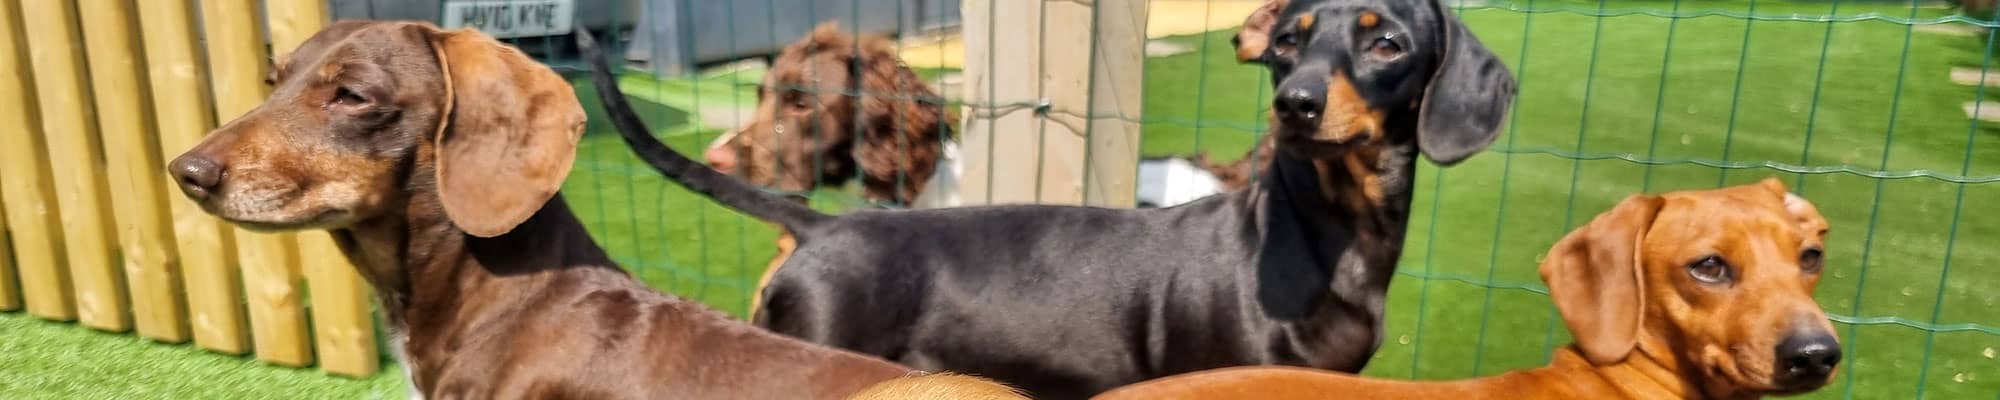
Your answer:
<point x="50" y="360"/>
<point x="1490" y="218"/>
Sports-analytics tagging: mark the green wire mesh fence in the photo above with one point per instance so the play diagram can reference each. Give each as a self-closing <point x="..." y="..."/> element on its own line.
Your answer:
<point x="1871" y="109"/>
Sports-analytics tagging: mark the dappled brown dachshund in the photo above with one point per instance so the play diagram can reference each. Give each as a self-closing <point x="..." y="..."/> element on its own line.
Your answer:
<point x="833" y="104"/>
<point x="434" y="158"/>
<point x="1684" y="295"/>
<point x="1066" y="302"/>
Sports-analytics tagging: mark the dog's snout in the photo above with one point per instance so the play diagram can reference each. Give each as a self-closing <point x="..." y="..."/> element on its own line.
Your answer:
<point x="721" y="154"/>
<point x="198" y="175"/>
<point x="1303" y="102"/>
<point x="722" y="158"/>
<point x="1806" y="360"/>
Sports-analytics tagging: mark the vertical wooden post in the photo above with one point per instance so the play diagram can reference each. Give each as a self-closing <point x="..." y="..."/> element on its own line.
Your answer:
<point x="182" y="110"/>
<point x="1085" y="60"/>
<point x="1116" y="92"/>
<point x="237" y="63"/>
<point x="10" y="295"/>
<point x="30" y="192"/>
<point x="343" y="330"/>
<point x="293" y="21"/>
<point x="53" y="49"/>
<point x="135" y="170"/>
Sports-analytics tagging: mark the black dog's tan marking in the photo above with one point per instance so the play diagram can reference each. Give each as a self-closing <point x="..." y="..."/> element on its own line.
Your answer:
<point x="1349" y="120"/>
<point x="1066" y="302"/>
<point x="1348" y="117"/>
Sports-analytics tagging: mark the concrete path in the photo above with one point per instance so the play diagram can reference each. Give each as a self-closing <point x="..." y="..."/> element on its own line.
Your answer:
<point x="1987" y="111"/>
<point x="1951" y="29"/>
<point x="1973" y="77"/>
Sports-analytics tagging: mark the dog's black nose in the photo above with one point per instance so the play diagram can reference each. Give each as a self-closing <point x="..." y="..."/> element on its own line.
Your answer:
<point x="1806" y="360"/>
<point x="198" y="176"/>
<point x="1299" y="102"/>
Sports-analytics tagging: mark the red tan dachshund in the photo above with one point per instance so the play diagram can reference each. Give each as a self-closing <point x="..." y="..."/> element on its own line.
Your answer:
<point x="434" y="159"/>
<point x="1685" y="295"/>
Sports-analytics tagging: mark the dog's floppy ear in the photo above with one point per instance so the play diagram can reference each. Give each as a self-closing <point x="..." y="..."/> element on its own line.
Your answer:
<point x="1804" y="213"/>
<point x="904" y="128"/>
<point x="510" y="134"/>
<point x="1595" y="279"/>
<point x="1468" y="97"/>
<point x="1256" y="33"/>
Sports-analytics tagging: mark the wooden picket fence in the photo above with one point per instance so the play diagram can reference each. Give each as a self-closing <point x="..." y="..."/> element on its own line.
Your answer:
<point x="95" y="96"/>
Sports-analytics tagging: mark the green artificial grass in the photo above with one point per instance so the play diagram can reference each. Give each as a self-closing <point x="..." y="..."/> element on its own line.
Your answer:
<point x="54" y="360"/>
<point x="1468" y="301"/>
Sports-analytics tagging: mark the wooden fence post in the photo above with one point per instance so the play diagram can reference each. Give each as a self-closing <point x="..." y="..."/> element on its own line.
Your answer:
<point x="1084" y="61"/>
<point x="343" y="329"/>
<point x="182" y="110"/>
<point x="135" y="169"/>
<point x="10" y="296"/>
<point x="29" y="190"/>
<point x="237" y="64"/>
<point x="77" y="160"/>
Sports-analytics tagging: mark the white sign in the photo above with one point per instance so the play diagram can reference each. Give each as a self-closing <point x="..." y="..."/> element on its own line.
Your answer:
<point x="511" y="18"/>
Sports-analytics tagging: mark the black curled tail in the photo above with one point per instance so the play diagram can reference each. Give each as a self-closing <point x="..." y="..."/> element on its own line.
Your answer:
<point x="699" y="178"/>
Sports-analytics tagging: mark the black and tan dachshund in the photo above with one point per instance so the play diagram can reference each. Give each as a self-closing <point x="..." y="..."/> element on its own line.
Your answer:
<point x="1071" y="301"/>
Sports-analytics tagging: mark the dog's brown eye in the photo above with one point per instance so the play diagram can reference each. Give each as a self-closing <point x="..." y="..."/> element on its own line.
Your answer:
<point x="1285" y="43"/>
<point x="800" y="102"/>
<point x="1810" y="260"/>
<point x="1711" y="269"/>
<point x="1385" y="47"/>
<point x="347" y="97"/>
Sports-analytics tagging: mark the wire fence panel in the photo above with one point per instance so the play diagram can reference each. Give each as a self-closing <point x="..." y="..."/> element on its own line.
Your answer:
<point x="1862" y="106"/>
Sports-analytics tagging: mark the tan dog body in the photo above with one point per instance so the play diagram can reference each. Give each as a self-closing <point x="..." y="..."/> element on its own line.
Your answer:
<point x="1694" y="294"/>
<point x="939" y="386"/>
<point x="1569" y="376"/>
